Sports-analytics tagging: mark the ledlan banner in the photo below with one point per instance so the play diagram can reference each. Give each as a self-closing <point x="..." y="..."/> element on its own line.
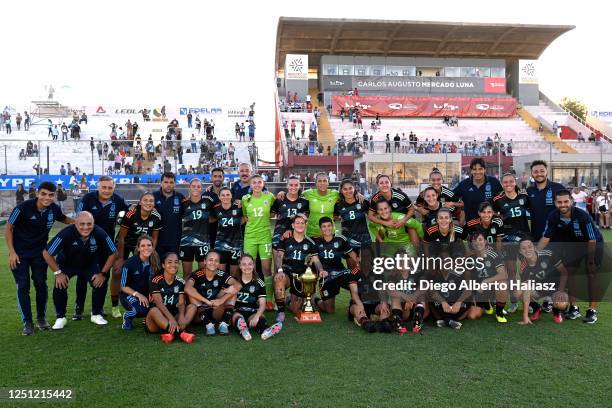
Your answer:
<point x="427" y="106"/>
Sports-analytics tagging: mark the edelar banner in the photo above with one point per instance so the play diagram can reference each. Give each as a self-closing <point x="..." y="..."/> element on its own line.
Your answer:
<point x="427" y="106"/>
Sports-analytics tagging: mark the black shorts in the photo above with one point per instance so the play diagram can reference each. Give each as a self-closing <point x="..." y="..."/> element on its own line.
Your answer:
<point x="230" y="257"/>
<point x="330" y="286"/>
<point x="369" y="308"/>
<point x="603" y="209"/>
<point x="452" y="316"/>
<point x="189" y="253"/>
<point x="573" y="259"/>
<point x="162" y="250"/>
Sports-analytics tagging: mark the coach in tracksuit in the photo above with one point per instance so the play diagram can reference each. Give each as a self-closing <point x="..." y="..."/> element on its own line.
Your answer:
<point x="26" y="233"/>
<point x="168" y="205"/>
<point x="78" y="250"/>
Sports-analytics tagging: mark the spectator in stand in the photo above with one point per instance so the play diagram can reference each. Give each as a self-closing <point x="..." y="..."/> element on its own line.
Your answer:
<point x="303" y="129"/>
<point x="61" y="195"/>
<point x="32" y="191"/>
<point x="580" y="137"/>
<point x="579" y="195"/>
<point x="356" y="92"/>
<point x="396" y="144"/>
<point x="20" y="194"/>
<point x="49" y="127"/>
<point x="194" y="144"/>
<point x="251" y="131"/>
<point x="387" y="144"/>
<point x="555" y="127"/>
<point x="26" y="122"/>
<point x="189" y="120"/>
<point x="293" y="128"/>
<point x="18" y="119"/>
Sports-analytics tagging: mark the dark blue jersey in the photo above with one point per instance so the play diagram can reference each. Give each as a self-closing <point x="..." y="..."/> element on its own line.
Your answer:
<point x="136" y="226"/>
<point x="285" y="211"/>
<point x="169" y="292"/>
<point x="247" y="299"/>
<point x="544" y="269"/>
<point x="354" y="221"/>
<point x="515" y="213"/>
<point x="170" y="210"/>
<point x="399" y="202"/>
<point x="74" y="251"/>
<point x="210" y="288"/>
<point x="238" y="190"/>
<point x="578" y="228"/>
<point x="105" y="215"/>
<point x="472" y="196"/>
<point x="295" y="254"/>
<point x="229" y="229"/>
<point x="331" y="253"/>
<point x="542" y="203"/>
<point x="196" y="220"/>
<point x="31" y="226"/>
<point x="137" y="275"/>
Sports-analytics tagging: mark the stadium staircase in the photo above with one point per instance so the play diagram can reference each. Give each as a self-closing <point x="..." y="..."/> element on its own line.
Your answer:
<point x="548" y="136"/>
<point x="326" y="135"/>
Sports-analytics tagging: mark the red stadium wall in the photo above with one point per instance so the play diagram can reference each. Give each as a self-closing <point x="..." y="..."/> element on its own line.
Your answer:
<point x="427" y="106"/>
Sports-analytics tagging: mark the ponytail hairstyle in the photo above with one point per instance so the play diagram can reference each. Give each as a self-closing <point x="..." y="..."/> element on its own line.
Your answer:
<point x="435" y="171"/>
<point x="249" y="256"/>
<point x="154" y="260"/>
<point x="509" y="174"/>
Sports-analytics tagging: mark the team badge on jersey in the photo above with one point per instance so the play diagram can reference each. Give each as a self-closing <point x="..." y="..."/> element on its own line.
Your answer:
<point x="150" y="223"/>
<point x="336" y="245"/>
<point x="266" y="202"/>
<point x="487" y="264"/>
<point x="521" y="201"/>
<point x="358" y="206"/>
<point x="176" y="289"/>
<point x="394" y="205"/>
<point x="299" y="206"/>
<point x="493" y="230"/>
<point x="216" y="283"/>
<point x="234" y="212"/>
<point x="543" y="265"/>
<point x="305" y="246"/>
<point x="252" y="289"/>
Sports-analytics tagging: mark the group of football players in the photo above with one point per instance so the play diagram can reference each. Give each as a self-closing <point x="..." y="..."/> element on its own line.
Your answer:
<point x="247" y="264"/>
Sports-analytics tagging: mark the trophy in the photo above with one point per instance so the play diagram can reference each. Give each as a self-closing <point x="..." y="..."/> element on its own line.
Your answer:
<point x="309" y="287"/>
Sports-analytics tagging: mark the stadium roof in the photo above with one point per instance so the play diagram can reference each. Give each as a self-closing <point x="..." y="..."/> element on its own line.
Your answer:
<point x="323" y="36"/>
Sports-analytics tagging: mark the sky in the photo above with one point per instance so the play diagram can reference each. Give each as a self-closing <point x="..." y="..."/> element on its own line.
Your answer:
<point x="219" y="52"/>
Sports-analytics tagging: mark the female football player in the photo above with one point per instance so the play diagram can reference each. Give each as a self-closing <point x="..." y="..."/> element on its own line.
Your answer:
<point x="229" y="231"/>
<point x="167" y="312"/>
<point x="251" y="303"/>
<point x="136" y="275"/>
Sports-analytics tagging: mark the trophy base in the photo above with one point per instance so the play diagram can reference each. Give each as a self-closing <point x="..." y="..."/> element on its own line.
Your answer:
<point x="308" y="317"/>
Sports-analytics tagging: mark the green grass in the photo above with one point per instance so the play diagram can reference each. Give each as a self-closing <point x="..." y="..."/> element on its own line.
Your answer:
<point x="333" y="364"/>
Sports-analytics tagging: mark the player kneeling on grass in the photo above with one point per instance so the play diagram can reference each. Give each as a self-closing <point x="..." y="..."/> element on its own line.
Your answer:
<point x="539" y="268"/>
<point x="291" y="257"/>
<point x="251" y="303"/>
<point x="368" y="308"/>
<point x="408" y="304"/>
<point x="167" y="312"/>
<point x="493" y="270"/>
<point x="333" y="275"/>
<point x="212" y="293"/>
<point x="450" y="304"/>
<point x="136" y="274"/>
<point x="76" y="251"/>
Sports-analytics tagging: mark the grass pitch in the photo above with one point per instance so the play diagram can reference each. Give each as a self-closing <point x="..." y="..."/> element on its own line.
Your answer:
<point x="334" y="364"/>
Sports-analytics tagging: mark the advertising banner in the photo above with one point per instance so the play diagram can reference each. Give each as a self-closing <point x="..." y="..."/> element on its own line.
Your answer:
<point x="157" y="113"/>
<point x="424" y="85"/>
<point x="296" y="66"/>
<point x="495" y="85"/>
<point x="10" y="182"/>
<point x="337" y="83"/>
<point x="528" y="73"/>
<point x="427" y="106"/>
